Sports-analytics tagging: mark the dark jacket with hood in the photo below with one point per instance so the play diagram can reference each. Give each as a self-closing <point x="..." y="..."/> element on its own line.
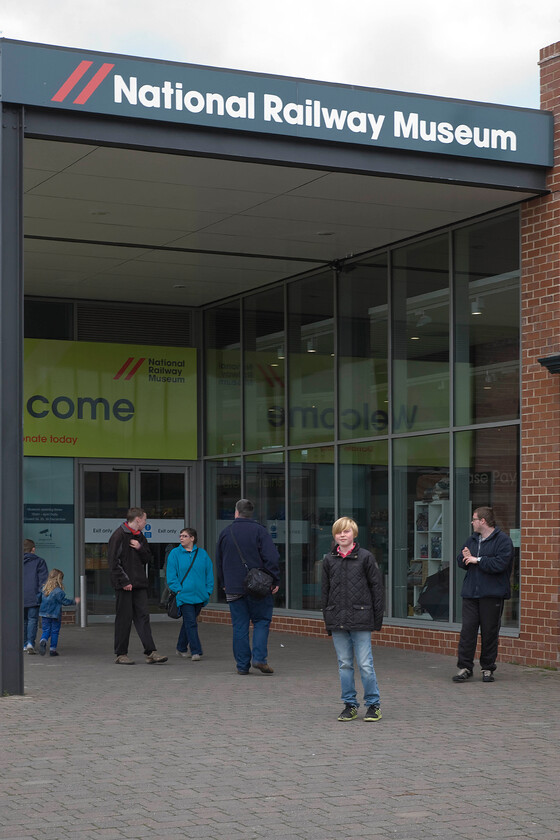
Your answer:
<point x="35" y="574"/>
<point x="352" y="591"/>
<point x="491" y="577"/>
<point x="127" y="564"/>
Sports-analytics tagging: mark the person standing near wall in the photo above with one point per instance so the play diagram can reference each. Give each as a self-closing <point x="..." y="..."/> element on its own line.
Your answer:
<point x="127" y="554"/>
<point x="247" y="544"/>
<point x="35" y="573"/>
<point x="487" y="556"/>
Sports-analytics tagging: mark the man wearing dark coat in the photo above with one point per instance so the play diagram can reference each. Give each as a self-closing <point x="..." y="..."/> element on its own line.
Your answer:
<point x="487" y="556"/>
<point x="128" y="554"/>
<point x="244" y="545"/>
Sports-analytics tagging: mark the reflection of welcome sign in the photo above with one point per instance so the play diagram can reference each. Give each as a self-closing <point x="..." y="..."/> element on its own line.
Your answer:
<point x="310" y="417"/>
<point x="101" y="400"/>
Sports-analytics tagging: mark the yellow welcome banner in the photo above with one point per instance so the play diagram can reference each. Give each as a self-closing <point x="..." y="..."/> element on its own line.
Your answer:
<point x="98" y="400"/>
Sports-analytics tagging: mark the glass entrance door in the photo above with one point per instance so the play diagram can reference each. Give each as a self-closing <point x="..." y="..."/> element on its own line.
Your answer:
<point x="108" y="493"/>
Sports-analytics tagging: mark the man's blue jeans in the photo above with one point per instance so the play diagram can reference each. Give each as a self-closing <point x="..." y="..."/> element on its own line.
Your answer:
<point x="348" y="643"/>
<point x="244" y="611"/>
<point x="188" y="635"/>
<point x="30" y="623"/>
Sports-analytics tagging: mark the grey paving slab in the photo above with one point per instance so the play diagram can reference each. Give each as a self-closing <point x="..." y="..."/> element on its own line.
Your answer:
<point x="95" y="751"/>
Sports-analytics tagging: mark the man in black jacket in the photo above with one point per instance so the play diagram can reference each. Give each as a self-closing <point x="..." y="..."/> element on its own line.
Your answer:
<point x="352" y="602"/>
<point x="487" y="556"/>
<point x="243" y="545"/>
<point x="127" y="555"/>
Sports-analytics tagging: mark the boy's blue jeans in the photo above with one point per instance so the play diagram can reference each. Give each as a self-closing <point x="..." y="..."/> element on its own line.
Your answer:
<point x="51" y="628"/>
<point x="348" y="643"/>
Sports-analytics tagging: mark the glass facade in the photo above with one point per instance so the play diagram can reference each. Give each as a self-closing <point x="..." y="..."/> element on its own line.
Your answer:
<point x="385" y="389"/>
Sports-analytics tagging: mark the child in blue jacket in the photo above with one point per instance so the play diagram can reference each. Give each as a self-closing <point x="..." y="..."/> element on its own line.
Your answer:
<point x="50" y="610"/>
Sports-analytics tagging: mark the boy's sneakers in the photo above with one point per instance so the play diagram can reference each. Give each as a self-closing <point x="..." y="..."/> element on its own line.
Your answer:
<point x="462" y="675"/>
<point x="348" y="713"/>
<point x="43" y="647"/>
<point x="196" y="657"/>
<point x="487" y="676"/>
<point x="29" y="649"/>
<point x="373" y="713"/>
<point x="54" y="652"/>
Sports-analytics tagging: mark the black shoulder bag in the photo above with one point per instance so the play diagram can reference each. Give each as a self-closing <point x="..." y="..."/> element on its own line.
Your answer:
<point x="171" y="605"/>
<point x="258" y="582"/>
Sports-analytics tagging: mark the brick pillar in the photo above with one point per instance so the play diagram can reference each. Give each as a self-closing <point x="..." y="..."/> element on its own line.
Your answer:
<point x="540" y="399"/>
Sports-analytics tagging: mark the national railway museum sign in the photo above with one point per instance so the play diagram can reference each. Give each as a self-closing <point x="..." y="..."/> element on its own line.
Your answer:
<point x="56" y="77"/>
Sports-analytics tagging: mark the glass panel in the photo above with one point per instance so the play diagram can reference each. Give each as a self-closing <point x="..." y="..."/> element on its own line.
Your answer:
<point x="223" y="489"/>
<point x="422" y="530"/>
<point x="265" y="486"/>
<point x="311" y="517"/>
<point x="363" y="313"/>
<point x="106" y="496"/>
<point x="162" y="495"/>
<point x="421" y="336"/>
<point x="264" y="346"/>
<point x="364" y="496"/>
<point x="48" y="513"/>
<point x="311" y="348"/>
<point x="487" y="321"/>
<point x="487" y="474"/>
<point x="222" y="356"/>
<point x="48" y="319"/>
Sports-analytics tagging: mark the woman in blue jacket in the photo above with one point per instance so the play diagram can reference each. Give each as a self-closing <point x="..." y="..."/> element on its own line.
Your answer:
<point x="191" y="576"/>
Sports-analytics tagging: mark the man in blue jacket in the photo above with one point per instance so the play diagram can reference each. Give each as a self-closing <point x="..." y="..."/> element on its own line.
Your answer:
<point x="245" y="544"/>
<point x="488" y="558"/>
<point x="35" y="575"/>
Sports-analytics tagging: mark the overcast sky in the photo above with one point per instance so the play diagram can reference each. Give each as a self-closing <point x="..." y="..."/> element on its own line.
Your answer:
<point x="485" y="50"/>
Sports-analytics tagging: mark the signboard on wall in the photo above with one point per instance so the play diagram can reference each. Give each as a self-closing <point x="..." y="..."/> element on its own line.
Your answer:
<point x="93" y="82"/>
<point x="101" y="400"/>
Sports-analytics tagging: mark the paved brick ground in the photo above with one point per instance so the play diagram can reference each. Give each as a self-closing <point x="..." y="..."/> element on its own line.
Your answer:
<point x="192" y="750"/>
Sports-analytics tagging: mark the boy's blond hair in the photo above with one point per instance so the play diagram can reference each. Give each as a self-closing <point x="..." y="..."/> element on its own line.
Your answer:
<point x="342" y="524"/>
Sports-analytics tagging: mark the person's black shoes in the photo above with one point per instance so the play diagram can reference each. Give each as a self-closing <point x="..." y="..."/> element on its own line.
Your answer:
<point x="487" y="676"/>
<point x="373" y="713"/>
<point x="348" y="713"/>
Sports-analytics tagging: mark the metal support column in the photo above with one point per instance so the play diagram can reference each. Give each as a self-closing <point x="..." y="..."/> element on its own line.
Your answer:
<point x="11" y="399"/>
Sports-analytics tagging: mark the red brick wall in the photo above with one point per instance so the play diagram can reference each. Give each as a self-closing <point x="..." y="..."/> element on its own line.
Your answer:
<point x="539" y="639"/>
<point x="540" y="404"/>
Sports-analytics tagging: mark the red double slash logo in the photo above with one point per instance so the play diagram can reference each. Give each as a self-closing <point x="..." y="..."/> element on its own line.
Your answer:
<point x="76" y="76"/>
<point x="134" y="369"/>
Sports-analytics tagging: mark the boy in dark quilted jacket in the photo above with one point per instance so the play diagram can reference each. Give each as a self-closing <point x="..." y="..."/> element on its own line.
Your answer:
<point x="352" y="602"/>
